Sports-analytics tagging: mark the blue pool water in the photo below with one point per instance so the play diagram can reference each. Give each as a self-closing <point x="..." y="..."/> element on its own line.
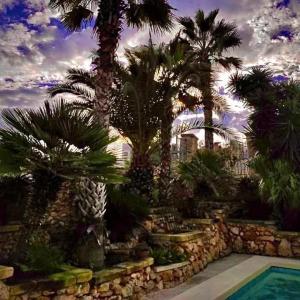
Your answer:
<point x="273" y="284"/>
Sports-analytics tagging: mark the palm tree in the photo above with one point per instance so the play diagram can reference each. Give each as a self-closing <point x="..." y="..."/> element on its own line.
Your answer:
<point x="54" y="143"/>
<point x="110" y="15"/>
<point x="274" y="124"/>
<point x="147" y="97"/>
<point x="209" y="40"/>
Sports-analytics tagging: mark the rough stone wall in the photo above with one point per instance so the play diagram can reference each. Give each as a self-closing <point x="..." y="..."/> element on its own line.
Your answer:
<point x="264" y="240"/>
<point x="211" y="246"/>
<point x="9" y="237"/>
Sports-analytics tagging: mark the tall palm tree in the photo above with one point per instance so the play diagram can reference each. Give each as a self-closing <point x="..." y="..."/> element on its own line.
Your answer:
<point x="109" y="18"/>
<point x="151" y="95"/>
<point x="209" y="39"/>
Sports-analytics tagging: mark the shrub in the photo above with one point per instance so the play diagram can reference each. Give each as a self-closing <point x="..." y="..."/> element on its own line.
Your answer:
<point x="255" y="206"/>
<point x="124" y="211"/>
<point x="12" y="204"/>
<point x="164" y="256"/>
<point x="280" y="184"/>
<point x="207" y="176"/>
<point x="43" y="258"/>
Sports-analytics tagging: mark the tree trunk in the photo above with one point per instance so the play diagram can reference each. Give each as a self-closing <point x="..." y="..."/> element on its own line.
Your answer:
<point x="208" y="121"/>
<point x="109" y="28"/>
<point x="140" y="174"/>
<point x="165" y="145"/>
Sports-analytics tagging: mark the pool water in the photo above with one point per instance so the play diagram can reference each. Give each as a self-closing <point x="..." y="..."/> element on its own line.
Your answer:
<point x="273" y="284"/>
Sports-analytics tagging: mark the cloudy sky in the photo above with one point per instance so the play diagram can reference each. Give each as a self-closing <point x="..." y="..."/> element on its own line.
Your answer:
<point x="36" y="51"/>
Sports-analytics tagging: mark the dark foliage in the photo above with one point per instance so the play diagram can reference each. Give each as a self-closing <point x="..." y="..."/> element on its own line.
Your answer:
<point x="13" y="194"/>
<point x="125" y="211"/>
<point x="164" y="256"/>
<point x="255" y="207"/>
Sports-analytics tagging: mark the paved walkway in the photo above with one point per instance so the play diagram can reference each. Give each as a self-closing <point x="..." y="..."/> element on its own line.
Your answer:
<point x="212" y="270"/>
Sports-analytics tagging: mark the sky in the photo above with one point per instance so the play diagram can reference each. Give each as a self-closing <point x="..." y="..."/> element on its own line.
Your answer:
<point x="36" y="50"/>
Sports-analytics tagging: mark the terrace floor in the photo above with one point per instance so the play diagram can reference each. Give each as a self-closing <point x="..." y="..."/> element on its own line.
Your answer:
<point x="212" y="270"/>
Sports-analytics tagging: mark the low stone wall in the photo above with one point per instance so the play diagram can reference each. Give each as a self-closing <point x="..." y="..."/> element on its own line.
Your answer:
<point x="9" y="237"/>
<point x="132" y="280"/>
<point x="263" y="238"/>
<point x="208" y="243"/>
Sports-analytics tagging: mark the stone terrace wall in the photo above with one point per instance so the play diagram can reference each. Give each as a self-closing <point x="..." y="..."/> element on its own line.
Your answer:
<point x="9" y="237"/>
<point x="262" y="239"/>
<point x="208" y="242"/>
<point x="132" y="280"/>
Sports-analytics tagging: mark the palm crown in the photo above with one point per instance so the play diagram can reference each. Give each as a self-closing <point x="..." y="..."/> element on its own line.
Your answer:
<point x="77" y="13"/>
<point x="209" y="40"/>
<point x="56" y="139"/>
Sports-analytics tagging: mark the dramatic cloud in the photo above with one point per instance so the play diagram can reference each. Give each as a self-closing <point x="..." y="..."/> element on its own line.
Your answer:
<point x="36" y="50"/>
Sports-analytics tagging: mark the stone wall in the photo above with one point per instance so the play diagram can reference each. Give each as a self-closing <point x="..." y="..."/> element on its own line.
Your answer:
<point x="263" y="239"/>
<point x="207" y="241"/>
<point x="132" y="280"/>
<point x="9" y="237"/>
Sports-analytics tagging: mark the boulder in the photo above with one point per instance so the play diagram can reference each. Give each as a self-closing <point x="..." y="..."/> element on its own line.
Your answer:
<point x="284" y="248"/>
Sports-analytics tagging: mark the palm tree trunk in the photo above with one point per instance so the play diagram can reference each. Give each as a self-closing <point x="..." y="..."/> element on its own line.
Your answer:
<point x="140" y="174"/>
<point x="165" y="144"/>
<point x="109" y="29"/>
<point x="208" y="121"/>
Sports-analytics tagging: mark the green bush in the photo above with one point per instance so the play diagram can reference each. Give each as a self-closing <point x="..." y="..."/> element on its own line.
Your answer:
<point x="163" y="256"/>
<point x="124" y="211"/>
<point x="255" y="205"/>
<point x="207" y="176"/>
<point x="13" y="200"/>
<point x="43" y="258"/>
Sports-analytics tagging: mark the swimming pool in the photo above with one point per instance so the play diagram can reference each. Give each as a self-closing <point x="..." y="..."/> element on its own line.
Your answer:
<point x="275" y="283"/>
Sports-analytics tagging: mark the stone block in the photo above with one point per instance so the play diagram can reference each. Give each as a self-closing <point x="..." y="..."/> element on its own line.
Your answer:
<point x="134" y="266"/>
<point x="6" y="272"/>
<point x="284" y="248"/>
<point x="108" y="275"/>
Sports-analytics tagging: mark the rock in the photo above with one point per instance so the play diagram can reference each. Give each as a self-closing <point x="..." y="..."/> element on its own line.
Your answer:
<point x="296" y="251"/>
<point x="235" y="230"/>
<point x="177" y="273"/>
<point x="103" y="288"/>
<point x="284" y="248"/>
<point x="196" y="268"/>
<point x="160" y="285"/>
<point x="167" y="276"/>
<point x="270" y="249"/>
<point x="150" y="286"/>
<point x="117" y="289"/>
<point x="266" y="238"/>
<point x="238" y="244"/>
<point x="127" y="291"/>
<point x="64" y="297"/>
<point x="4" y="293"/>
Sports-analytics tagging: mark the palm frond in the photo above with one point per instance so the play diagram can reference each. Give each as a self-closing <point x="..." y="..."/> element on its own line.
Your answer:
<point x="218" y="129"/>
<point x="77" y="17"/>
<point x="188" y="27"/>
<point x="155" y="13"/>
<point x="65" y="142"/>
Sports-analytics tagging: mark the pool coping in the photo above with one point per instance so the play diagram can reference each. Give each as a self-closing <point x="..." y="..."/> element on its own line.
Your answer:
<point x="223" y="285"/>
